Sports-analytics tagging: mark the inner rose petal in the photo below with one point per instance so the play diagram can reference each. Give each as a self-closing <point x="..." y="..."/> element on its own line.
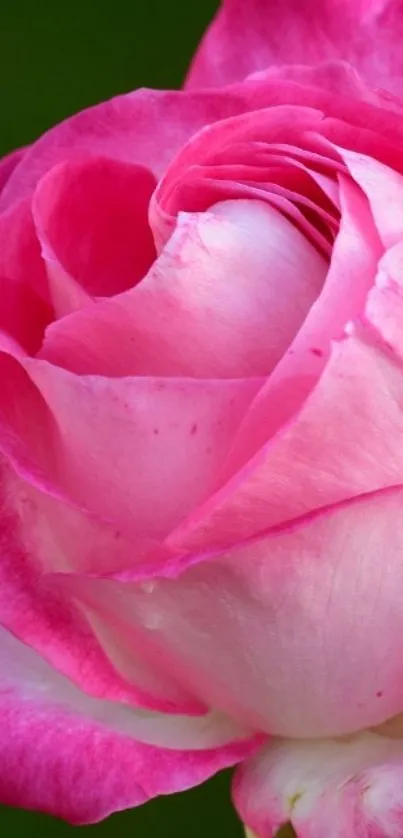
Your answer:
<point x="91" y="221"/>
<point x="225" y="299"/>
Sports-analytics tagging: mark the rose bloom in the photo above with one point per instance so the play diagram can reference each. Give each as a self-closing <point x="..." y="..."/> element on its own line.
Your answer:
<point x="201" y="433"/>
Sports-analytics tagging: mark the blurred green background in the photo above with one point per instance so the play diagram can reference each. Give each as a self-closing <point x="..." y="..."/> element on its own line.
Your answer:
<point x="57" y="57"/>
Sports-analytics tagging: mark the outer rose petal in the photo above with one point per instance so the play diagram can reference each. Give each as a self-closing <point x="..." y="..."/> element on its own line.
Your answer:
<point x="283" y="111"/>
<point x="40" y="533"/>
<point x="8" y="164"/>
<point x="335" y="75"/>
<point x="337" y="789"/>
<point x="277" y="631"/>
<point x="147" y="127"/>
<point x="81" y="758"/>
<point x="249" y="37"/>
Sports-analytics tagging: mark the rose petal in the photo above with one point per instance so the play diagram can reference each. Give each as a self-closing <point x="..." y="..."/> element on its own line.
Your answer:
<point x="92" y="223"/>
<point x="42" y="619"/>
<point x="23" y="314"/>
<point x="225" y="299"/>
<point x="20" y="252"/>
<point x="384" y="190"/>
<point x="120" y="448"/>
<point x="242" y="169"/>
<point x="341" y="789"/>
<point x="204" y="190"/>
<point x="41" y="533"/>
<point x="149" y="127"/>
<point x="81" y="758"/>
<point x="245" y="38"/>
<point x="354" y="262"/>
<point x="384" y="309"/>
<point x="270" y="124"/>
<point x="320" y="457"/>
<point x="276" y="631"/>
<point x="337" y="76"/>
<point x="8" y="164"/>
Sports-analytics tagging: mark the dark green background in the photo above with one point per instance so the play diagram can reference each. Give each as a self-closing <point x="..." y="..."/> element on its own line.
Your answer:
<point x="57" y="57"/>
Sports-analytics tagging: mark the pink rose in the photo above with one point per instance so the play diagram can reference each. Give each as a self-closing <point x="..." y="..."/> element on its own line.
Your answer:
<point x="201" y="420"/>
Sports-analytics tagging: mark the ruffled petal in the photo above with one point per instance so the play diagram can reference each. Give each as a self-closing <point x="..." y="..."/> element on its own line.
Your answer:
<point x="282" y="123"/>
<point x="245" y="158"/>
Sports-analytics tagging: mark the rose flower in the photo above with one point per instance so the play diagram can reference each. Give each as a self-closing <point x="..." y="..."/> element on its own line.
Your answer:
<point x="201" y="434"/>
